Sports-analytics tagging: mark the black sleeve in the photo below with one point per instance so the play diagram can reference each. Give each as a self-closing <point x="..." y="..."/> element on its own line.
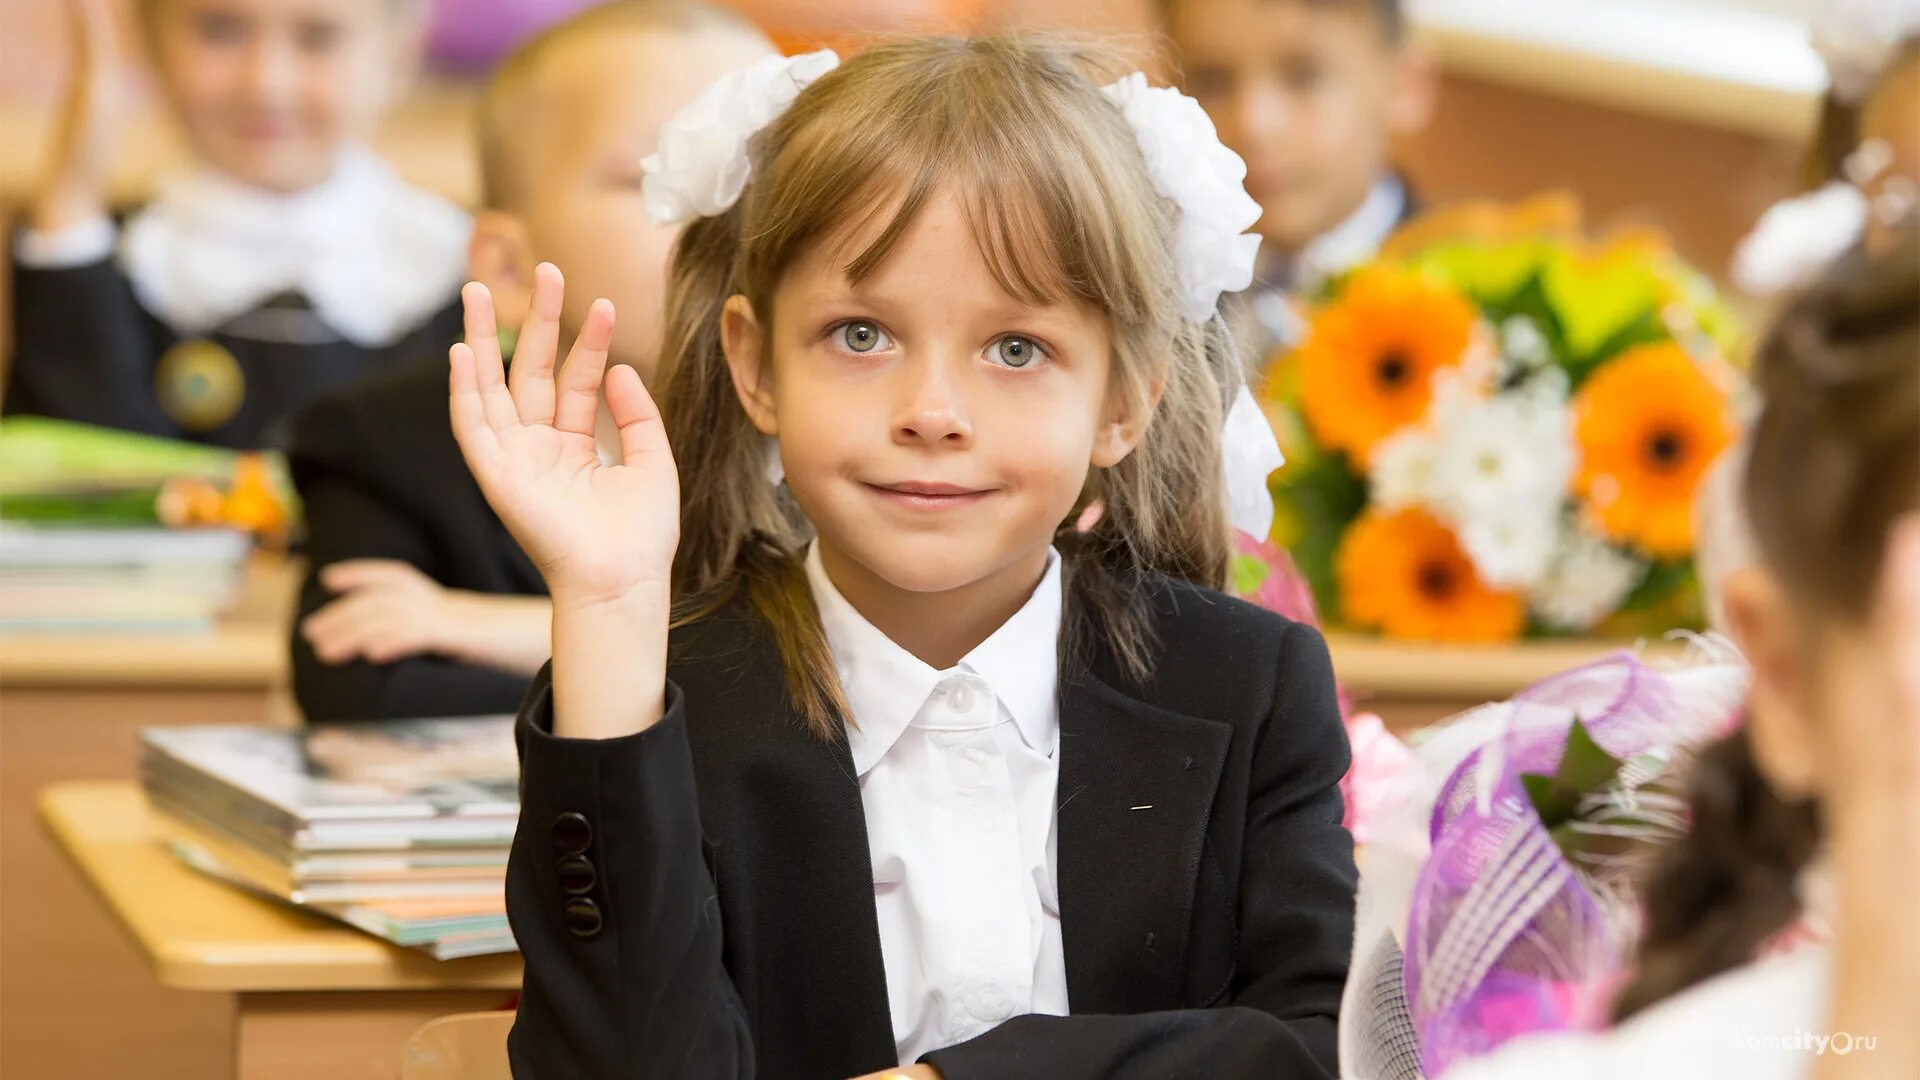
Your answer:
<point x="1296" y="928"/>
<point x="84" y="349"/>
<point x="624" y="976"/>
<point x="346" y="521"/>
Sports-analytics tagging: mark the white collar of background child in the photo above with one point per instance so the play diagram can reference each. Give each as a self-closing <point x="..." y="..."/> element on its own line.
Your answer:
<point x="374" y="256"/>
<point x="704" y="160"/>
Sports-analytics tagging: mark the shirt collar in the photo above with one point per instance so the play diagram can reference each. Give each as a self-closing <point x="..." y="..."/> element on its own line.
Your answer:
<point x="886" y="685"/>
<point x="1355" y="239"/>
<point x="373" y="256"/>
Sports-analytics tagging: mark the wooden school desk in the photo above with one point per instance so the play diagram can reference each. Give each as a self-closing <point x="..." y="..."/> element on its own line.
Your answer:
<point x="71" y="706"/>
<point x="1412" y="684"/>
<point x="309" y="998"/>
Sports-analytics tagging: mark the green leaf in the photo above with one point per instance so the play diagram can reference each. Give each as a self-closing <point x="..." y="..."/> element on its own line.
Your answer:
<point x="1585" y="768"/>
<point x="1249" y="573"/>
<point x="1322" y="499"/>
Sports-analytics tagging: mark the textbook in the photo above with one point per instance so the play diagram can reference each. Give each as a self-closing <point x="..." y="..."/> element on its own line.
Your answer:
<point x="334" y="787"/>
<point x="398" y="828"/>
<point x="443" y="927"/>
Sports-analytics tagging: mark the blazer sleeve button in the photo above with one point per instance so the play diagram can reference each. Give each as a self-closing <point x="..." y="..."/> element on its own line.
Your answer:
<point x="572" y="833"/>
<point x="582" y="917"/>
<point x="577" y="875"/>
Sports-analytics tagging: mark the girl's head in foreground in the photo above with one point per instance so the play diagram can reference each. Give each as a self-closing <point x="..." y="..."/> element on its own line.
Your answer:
<point x="949" y="295"/>
<point x="1835" y="464"/>
<point x="267" y="92"/>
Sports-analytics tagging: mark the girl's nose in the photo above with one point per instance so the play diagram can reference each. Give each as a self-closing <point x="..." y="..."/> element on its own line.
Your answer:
<point x="933" y="413"/>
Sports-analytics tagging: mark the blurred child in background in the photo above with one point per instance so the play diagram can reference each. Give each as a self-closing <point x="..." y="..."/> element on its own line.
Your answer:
<point x="1311" y="94"/>
<point x="285" y="261"/>
<point x="418" y="601"/>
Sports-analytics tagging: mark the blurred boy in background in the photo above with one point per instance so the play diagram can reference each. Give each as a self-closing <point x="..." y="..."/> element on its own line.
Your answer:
<point x="288" y="260"/>
<point x="418" y="602"/>
<point x="1311" y="93"/>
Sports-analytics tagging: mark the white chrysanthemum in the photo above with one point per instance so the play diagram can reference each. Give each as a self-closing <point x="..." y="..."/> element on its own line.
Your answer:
<point x="1510" y="550"/>
<point x="1513" y="452"/>
<point x="1403" y="470"/>
<point x="1523" y="348"/>
<point x="1500" y="475"/>
<point x="1586" y="583"/>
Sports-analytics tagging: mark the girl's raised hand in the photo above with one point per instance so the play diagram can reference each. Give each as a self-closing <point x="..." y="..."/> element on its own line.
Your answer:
<point x="73" y="190"/>
<point x="599" y="533"/>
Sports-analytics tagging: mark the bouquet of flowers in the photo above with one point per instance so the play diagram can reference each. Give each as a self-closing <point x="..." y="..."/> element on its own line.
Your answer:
<point x="1495" y="429"/>
<point x="1502" y="893"/>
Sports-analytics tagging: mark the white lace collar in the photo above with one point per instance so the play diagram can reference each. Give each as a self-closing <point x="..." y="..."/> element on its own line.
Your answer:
<point x="374" y="256"/>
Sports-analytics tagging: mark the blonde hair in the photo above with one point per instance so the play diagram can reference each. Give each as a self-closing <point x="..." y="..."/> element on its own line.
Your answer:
<point x="510" y="108"/>
<point x="1061" y="206"/>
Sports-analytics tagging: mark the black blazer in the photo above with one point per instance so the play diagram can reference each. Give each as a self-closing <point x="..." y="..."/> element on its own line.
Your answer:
<point x="86" y="350"/>
<point x="697" y="900"/>
<point x="381" y="477"/>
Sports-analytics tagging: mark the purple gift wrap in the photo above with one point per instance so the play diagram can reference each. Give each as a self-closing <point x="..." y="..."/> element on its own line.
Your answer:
<point x="1505" y="936"/>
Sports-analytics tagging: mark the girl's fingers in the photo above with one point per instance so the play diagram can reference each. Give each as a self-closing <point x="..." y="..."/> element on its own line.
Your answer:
<point x="641" y="432"/>
<point x="530" y="378"/>
<point x="483" y="339"/>
<point x="350" y="574"/>
<point x="579" y="386"/>
<point x="479" y="443"/>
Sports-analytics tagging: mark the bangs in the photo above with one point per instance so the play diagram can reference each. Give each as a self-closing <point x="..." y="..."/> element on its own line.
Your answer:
<point x="1036" y="163"/>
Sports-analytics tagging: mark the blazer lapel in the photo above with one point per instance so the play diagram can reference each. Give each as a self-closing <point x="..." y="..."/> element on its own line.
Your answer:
<point x="786" y="828"/>
<point x="1137" y="785"/>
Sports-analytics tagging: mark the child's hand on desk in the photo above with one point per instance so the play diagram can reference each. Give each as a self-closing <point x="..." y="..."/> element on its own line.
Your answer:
<point x="388" y="610"/>
<point x="74" y="189"/>
<point x="602" y="535"/>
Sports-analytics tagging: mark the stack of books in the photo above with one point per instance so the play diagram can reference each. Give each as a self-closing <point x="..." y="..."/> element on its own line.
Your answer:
<point x="399" y="828"/>
<point x="108" y="531"/>
<point x="64" y="578"/>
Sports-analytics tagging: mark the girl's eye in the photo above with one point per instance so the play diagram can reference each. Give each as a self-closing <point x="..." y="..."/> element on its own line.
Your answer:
<point x="220" y="28"/>
<point x="1015" y="351"/>
<point x="862" y="337"/>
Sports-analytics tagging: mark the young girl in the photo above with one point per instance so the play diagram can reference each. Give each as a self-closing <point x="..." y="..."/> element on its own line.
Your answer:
<point x="1814" y="806"/>
<point x="286" y="262"/>
<point x="922" y="773"/>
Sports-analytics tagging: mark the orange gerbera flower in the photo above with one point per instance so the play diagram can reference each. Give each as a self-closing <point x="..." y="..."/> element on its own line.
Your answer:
<point x="1367" y="367"/>
<point x="1404" y="574"/>
<point x="1648" y="425"/>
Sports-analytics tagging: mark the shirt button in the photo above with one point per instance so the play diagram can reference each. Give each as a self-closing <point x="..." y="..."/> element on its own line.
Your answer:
<point x="990" y="1004"/>
<point x="960" y="697"/>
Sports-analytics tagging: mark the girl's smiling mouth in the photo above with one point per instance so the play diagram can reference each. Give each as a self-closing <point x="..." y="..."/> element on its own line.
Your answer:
<point x="925" y="495"/>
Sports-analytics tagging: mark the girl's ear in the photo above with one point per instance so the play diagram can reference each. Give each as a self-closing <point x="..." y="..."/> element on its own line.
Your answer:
<point x="1415" y="91"/>
<point x="745" y="342"/>
<point x="1779" y="720"/>
<point x="500" y="256"/>
<point x="1126" y="425"/>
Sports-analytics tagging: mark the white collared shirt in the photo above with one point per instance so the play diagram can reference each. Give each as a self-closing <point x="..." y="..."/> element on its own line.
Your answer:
<point x="374" y="256"/>
<point x="957" y="773"/>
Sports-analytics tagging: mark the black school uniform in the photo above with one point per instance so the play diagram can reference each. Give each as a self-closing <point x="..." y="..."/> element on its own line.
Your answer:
<point x="697" y="900"/>
<point x="381" y="477"/>
<point x="222" y="309"/>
